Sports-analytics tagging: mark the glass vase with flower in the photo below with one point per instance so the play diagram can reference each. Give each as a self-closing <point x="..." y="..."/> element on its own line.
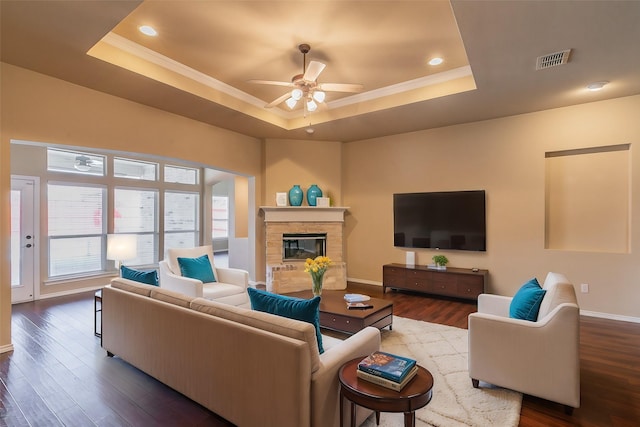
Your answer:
<point x="316" y="268"/>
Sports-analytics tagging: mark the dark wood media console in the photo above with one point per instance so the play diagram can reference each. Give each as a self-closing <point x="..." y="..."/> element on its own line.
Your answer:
<point x="453" y="282"/>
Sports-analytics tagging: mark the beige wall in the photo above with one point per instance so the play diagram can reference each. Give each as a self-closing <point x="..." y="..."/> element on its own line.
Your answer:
<point x="303" y="162"/>
<point x="587" y="204"/>
<point x="505" y="157"/>
<point x="42" y="109"/>
<point x="241" y="206"/>
<point x="5" y="240"/>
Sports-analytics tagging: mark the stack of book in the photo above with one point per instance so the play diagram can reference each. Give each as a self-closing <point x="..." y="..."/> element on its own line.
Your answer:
<point x="358" y="305"/>
<point x="387" y="370"/>
<point x="357" y="301"/>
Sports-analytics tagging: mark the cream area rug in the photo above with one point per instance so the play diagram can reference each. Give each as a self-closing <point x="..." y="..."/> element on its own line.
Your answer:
<point x="443" y="351"/>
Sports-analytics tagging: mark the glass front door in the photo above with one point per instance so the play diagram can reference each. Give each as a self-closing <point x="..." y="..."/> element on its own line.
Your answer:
<point x="23" y="239"/>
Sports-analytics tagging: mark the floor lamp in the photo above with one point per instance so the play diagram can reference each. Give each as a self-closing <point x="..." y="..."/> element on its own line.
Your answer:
<point x="121" y="247"/>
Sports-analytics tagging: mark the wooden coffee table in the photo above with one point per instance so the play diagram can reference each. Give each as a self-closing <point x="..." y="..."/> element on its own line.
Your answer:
<point x="335" y="315"/>
<point x="416" y="394"/>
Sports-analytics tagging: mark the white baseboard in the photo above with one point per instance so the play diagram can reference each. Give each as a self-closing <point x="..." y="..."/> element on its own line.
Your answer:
<point x="363" y="281"/>
<point x="69" y="292"/>
<point x="6" y="348"/>
<point x="610" y="316"/>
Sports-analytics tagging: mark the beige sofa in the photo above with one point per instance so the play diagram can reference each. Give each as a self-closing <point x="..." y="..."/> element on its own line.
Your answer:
<point x="252" y="368"/>
<point x="540" y="358"/>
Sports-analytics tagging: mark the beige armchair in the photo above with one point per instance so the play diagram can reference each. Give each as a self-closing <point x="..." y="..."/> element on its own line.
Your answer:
<point x="538" y="358"/>
<point x="230" y="286"/>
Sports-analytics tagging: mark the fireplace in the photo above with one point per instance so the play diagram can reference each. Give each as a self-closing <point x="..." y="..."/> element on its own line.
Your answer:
<point x="295" y="233"/>
<point x="300" y="246"/>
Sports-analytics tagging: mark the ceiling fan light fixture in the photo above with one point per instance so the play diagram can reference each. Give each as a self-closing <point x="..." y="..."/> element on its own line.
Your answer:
<point x="319" y="95"/>
<point x="305" y="87"/>
<point x="596" y="86"/>
<point x="82" y="164"/>
<point x="291" y="102"/>
<point x="296" y="94"/>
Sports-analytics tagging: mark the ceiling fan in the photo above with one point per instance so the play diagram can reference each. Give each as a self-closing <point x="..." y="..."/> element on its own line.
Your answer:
<point x="84" y="163"/>
<point x="306" y="87"/>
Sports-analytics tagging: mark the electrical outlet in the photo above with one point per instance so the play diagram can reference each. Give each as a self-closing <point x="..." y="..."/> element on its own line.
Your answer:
<point x="584" y="288"/>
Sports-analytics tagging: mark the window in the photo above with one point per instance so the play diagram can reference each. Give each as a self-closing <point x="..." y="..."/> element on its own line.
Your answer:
<point x="135" y="212"/>
<point x="92" y="203"/>
<point x="220" y="217"/>
<point x="135" y="169"/>
<point x="180" y="175"/>
<point x="75" y="162"/>
<point x="75" y="228"/>
<point x="181" y="219"/>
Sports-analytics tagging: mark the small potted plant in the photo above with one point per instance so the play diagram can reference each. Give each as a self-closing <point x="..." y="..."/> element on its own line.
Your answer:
<point x="440" y="261"/>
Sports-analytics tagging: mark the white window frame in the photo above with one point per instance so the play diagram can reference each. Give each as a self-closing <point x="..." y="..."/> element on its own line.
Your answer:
<point x="214" y="220"/>
<point x="102" y="235"/>
<point x="195" y="231"/>
<point x="111" y="183"/>
<point x="154" y="233"/>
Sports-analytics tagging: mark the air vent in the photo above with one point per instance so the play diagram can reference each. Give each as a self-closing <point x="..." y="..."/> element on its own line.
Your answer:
<point x="553" y="59"/>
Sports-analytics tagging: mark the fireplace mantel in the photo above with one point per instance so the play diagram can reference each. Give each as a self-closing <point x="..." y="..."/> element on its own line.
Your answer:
<point x="303" y="214"/>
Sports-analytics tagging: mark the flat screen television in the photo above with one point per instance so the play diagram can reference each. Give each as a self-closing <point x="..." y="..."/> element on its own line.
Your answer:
<point x="440" y="220"/>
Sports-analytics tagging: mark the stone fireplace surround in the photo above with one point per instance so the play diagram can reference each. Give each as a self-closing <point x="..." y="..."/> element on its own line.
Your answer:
<point x="284" y="277"/>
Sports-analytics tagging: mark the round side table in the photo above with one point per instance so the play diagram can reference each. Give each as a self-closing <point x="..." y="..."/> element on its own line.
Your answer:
<point x="416" y="394"/>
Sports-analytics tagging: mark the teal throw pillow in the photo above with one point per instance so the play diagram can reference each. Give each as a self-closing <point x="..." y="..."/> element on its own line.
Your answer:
<point x="526" y="302"/>
<point x="197" y="268"/>
<point x="306" y="310"/>
<point x="149" y="277"/>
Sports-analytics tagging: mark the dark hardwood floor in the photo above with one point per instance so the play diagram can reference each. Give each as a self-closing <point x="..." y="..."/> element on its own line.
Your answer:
<point x="59" y="375"/>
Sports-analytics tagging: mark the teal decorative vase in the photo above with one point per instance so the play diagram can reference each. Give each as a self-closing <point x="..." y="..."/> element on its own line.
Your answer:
<point x="312" y="194"/>
<point x="295" y="195"/>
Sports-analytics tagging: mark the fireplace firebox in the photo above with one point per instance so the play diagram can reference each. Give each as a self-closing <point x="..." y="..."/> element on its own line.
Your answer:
<point x="300" y="246"/>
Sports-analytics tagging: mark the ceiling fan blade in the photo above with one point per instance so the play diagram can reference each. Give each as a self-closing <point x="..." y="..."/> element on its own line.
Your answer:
<point x="313" y="71"/>
<point x="341" y="87"/>
<point x="271" y="82"/>
<point x="278" y="101"/>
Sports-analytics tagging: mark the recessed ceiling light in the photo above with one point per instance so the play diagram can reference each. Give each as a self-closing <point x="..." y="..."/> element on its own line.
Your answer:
<point x="596" y="86"/>
<point x="436" y="61"/>
<point x="148" y="30"/>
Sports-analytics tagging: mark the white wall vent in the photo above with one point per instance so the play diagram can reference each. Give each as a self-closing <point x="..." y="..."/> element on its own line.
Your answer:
<point x="553" y="59"/>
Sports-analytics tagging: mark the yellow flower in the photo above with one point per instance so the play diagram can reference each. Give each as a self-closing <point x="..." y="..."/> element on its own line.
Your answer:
<point x="317" y="266"/>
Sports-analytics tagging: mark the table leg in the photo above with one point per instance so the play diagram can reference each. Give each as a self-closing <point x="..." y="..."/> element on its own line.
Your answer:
<point x="97" y="299"/>
<point x="410" y="419"/>
<point x="353" y="414"/>
<point x="377" y="418"/>
<point x="95" y="316"/>
<point x="341" y="407"/>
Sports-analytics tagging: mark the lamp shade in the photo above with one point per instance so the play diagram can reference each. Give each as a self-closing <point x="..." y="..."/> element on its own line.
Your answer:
<point x="121" y="247"/>
<point x="291" y="102"/>
<point x="319" y="95"/>
<point x="296" y="94"/>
